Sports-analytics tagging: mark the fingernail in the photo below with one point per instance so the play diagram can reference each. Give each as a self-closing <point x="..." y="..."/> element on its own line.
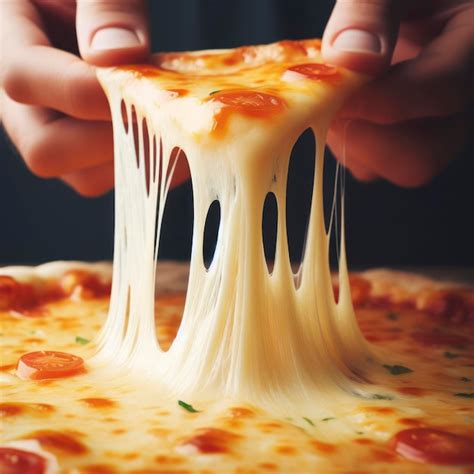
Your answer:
<point x="114" y="38"/>
<point x="357" y="41"/>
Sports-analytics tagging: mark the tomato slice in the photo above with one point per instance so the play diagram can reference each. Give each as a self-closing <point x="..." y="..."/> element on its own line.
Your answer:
<point x="17" y="461"/>
<point x="250" y="102"/>
<point x="439" y="339"/>
<point x="48" y="365"/>
<point x="428" y="445"/>
<point x="315" y="71"/>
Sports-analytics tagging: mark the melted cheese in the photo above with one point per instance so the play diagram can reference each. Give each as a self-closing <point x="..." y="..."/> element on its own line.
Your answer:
<point x="94" y="424"/>
<point x="245" y="333"/>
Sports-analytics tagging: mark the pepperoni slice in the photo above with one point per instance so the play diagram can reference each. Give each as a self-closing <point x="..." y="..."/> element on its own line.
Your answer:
<point x="315" y="71"/>
<point x="439" y="339"/>
<point x="17" y="461"/>
<point x="429" y="445"/>
<point x="250" y="102"/>
<point x="48" y="365"/>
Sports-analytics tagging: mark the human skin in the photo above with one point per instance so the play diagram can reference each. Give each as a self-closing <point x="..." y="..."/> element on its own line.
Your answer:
<point x="405" y="125"/>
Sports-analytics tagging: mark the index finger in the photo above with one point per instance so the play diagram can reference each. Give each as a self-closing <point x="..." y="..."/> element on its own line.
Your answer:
<point x="35" y="73"/>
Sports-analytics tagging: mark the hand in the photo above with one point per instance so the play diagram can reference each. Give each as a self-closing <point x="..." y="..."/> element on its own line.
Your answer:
<point x="407" y="123"/>
<point x="52" y="105"/>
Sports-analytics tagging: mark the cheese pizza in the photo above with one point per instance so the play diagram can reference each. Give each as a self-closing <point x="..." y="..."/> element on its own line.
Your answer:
<point x="247" y="370"/>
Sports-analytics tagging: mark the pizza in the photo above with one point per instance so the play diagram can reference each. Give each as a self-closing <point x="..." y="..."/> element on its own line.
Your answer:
<point x="236" y="366"/>
<point x="69" y="421"/>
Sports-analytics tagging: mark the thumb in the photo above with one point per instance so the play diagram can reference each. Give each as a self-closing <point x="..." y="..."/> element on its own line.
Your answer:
<point x="361" y="35"/>
<point x="112" y="32"/>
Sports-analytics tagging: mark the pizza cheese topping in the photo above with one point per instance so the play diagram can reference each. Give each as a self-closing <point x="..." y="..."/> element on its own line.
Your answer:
<point x="108" y="419"/>
<point x="230" y="342"/>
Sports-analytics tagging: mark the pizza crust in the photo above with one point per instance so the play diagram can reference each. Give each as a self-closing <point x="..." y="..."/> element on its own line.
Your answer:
<point x="171" y="276"/>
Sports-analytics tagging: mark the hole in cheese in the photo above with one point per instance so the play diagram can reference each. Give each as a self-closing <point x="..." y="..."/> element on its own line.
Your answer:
<point x="269" y="229"/>
<point x="211" y="233"/>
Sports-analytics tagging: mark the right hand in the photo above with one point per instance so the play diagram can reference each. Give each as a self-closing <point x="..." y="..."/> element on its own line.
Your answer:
<point x="51" y="103"/>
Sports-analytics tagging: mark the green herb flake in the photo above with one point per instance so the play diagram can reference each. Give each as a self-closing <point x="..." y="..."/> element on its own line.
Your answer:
<point x="328" y="419"/>
<point x="187" y="407"/>
<point x="464" y="395"/>
<point x="450" y="355"/>
<point x="359" y="432"/>
<point x="308" y="420"/>
<point x="465" y="379"/>
<point x="82" y="340"/>
<point x="214" y="92"/>
<point x="392" y="316"/>
<point x="397" y="369"/>
<point x="378" y="396"/>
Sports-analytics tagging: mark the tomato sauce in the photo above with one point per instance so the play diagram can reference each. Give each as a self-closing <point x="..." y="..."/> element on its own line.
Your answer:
<point x="211" y="440"/>
<point x="98" y="402"/>
<point x="58" y="441"/>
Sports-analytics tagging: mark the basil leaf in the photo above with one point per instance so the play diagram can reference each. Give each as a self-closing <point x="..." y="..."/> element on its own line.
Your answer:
<point x="187" y="407"/>
<point x="378" y="396"/>
<point x="82" y="340"/>
<point x="397" y="369"/>
<point x="308" y="420"/>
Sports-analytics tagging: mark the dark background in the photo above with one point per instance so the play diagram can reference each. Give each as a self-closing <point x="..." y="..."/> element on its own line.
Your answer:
<point x="42" y="220"/>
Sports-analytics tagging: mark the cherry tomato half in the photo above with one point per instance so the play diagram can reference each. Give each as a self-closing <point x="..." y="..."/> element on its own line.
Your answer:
<point x="48" y="365"/>
<point x="435" y="446"/>
<point x="17" y="461"/>
<point x="315" y="71"/>
<point x="251" y="102"/>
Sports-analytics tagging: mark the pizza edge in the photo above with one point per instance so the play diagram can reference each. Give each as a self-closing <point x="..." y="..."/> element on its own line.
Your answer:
<point x="379" y="286"/>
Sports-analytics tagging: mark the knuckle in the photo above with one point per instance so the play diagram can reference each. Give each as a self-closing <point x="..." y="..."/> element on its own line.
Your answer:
<point x="37" y="155"/>
<point x="12" y="80"/>
<point x="74" y="102"/>
<point x="89" y="189"/>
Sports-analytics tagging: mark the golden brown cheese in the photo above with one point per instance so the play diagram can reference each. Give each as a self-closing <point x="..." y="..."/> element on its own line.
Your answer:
<point x="93" y="425"/>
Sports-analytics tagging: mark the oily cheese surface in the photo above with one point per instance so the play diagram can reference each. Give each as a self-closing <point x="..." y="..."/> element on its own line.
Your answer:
<point x="211" y="94"/>
<point x="95" y="423"/>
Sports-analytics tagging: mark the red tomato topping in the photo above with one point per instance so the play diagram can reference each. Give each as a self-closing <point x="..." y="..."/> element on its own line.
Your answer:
<point x="250" y="102"/>
<point x="429" y="445"/>
<point x="10" y="291"/>
<point x="17" y="461"/>
<point x="84" y="284"/>
<point x="315" y="71"/>
<point x="48" y="365"/>
<point x="439" y="339"/>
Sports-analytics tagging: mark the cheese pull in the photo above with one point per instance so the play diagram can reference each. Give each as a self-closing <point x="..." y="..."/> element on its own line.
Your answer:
<point x="278" y="339"/>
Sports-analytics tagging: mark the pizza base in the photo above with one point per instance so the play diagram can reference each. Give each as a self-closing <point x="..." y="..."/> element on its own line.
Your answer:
<point x="92" y="423"/>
